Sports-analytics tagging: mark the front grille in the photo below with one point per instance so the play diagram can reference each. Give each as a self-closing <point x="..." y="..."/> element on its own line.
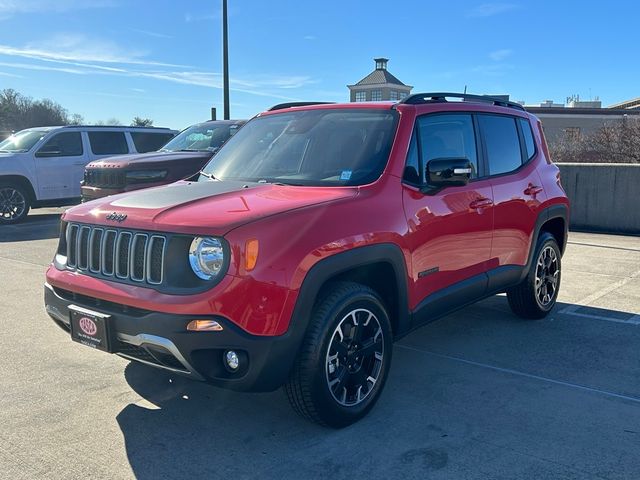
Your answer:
<point x="134" y="256"/>
<point x="104" y="178"/>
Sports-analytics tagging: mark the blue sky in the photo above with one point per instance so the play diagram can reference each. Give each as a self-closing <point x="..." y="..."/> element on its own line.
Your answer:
<point x="162" y="58"/>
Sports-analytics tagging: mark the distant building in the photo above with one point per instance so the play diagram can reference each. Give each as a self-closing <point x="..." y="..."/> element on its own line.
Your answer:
<point x="628" y="104"/>
<point x="579" y="117"/>
<point x="379" y="85"/>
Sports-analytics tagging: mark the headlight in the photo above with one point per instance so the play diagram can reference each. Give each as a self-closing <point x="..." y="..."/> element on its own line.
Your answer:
<point x="206" y="257"/>
<point x="146" y="176"/>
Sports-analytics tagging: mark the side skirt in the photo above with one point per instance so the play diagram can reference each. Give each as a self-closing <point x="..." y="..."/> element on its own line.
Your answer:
<point x="464" y="293"/>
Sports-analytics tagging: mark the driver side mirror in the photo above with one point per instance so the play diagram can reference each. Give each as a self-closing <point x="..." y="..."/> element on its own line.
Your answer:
<point x="448" y="172"/>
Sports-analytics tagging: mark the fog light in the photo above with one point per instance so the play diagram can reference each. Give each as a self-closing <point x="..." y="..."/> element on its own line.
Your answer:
<point x="231" y="357"/>
<point x="204" y="326"/>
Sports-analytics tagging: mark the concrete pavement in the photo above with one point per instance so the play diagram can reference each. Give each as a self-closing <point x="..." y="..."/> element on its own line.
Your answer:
<point x="478" y="394"/>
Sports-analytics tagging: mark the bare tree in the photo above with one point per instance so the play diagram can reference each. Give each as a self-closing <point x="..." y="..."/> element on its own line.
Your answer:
<point x="109" y="122"/>
<point x="613" y="143"/>
<point x="141" y="122"/>
<point x="18" y="112"/>
<point x="618" y="143"/>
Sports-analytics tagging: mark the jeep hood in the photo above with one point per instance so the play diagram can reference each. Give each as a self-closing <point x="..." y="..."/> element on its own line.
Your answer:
<point x="213" y="208"/>
<point x="144" y="160"/>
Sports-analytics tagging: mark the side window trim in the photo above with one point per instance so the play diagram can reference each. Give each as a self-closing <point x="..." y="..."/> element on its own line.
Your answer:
<point x="481" y="149"/>
<point x="524" y="157"/>
<point x="520" y="121"/>
<point x="520" y="139"/>
<point x="62" y="154"/>
<point x="476" y="134"/>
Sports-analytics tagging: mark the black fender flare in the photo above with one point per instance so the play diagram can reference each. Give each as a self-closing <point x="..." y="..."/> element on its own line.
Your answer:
<point x="549" y="213"/>
<point x="334" y="265"/>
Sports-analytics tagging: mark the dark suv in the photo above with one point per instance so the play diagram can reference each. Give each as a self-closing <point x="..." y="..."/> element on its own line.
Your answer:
<point x="183" y="156"/>
<point x="315" y="237"/>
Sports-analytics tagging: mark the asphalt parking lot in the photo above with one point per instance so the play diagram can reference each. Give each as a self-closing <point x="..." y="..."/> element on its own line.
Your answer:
<point x="478" y="394"/>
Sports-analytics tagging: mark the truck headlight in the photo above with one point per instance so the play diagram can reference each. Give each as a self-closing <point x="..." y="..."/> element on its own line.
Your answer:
<point x="141" y="176"/>
<point x="206" y="256"/>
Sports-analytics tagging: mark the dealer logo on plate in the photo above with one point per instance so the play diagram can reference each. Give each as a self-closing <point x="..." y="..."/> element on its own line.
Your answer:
<point x="88" y="326"/>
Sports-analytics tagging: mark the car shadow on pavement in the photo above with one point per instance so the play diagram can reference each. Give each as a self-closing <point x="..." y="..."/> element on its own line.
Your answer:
<point x="34" y="227"/>
<point x="186" y="429"/>
<point x="450" y="383"/>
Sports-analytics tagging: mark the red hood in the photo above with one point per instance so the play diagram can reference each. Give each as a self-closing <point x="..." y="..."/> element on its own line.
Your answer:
<point x="212" y="208"/>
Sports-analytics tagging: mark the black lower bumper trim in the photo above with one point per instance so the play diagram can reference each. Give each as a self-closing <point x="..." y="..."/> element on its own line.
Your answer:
<point x="162" y="340"/>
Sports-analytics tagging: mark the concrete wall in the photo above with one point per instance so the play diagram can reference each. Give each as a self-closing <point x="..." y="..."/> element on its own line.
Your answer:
<point x="604" y="196"/>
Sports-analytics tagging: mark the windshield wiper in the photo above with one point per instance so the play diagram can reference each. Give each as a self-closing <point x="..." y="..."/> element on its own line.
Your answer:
<point x="209" y="176"/>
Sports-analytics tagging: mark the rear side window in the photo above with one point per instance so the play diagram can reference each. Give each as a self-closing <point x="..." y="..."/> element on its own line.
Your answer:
<point x="502" y="143"/>
<point x="108" y="143"/>
<point x="150" y="141"/>
<point x="447" y="136"/>
<point x="527" y="134"/>
<point x="66" y="144"/>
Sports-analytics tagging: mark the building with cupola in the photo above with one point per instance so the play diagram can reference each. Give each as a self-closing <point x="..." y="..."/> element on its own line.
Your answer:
<point x="379" y="85"/>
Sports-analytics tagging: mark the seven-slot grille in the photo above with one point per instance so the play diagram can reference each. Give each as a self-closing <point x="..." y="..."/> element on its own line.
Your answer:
<point x="127" y="255"/>
<point x="104" y="177"/>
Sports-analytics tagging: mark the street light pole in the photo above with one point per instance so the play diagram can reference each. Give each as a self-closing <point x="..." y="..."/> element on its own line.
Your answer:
<point x="225" y="60"/>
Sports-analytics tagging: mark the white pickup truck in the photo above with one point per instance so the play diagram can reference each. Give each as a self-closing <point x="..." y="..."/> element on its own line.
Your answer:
<point x="43" y="166"/>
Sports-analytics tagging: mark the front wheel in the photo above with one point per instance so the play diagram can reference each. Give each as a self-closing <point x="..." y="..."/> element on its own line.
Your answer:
<point x="536" y="295"/>
<point x="14" y="204"/>
<point x="345" y="357"/>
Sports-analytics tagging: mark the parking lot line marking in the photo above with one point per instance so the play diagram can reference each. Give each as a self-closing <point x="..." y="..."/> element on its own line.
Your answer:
<point x="22" y="262"/>
<point x="577" y="386"/>
<point x="605" y="246"/>
<point x="634" y="320"/>
<point x="599" y="294"/>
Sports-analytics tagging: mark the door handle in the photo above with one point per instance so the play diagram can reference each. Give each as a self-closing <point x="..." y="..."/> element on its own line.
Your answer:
<point x="480" y="203"/>
<point x="532" y="189"/>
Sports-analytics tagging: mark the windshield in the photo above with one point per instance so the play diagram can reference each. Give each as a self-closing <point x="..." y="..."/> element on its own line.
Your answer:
<point x="311" y="147"/>
<point x="21" y="141"/>
<point x="205" y="137"/>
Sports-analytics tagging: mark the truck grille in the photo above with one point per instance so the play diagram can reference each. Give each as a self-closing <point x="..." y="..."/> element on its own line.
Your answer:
<point x="128" y="255"/>
<point x="104" y="178"/>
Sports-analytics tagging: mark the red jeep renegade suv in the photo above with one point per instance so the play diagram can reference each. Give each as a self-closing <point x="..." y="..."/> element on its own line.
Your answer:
<point x="316" y="236"/>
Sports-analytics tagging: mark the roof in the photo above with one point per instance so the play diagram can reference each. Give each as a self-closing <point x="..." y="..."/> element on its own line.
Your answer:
<point x="627" y="104"/>
<point x="378" y="77"/>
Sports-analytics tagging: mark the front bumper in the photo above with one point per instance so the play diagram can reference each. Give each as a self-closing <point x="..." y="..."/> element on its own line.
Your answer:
<point x="162" y="340"/>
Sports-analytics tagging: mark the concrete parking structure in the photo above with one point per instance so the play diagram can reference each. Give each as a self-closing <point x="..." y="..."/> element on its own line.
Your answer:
<point x="477" y="394"/>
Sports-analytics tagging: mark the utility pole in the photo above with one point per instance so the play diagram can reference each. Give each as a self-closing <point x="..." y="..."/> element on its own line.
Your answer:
<point x="225" y="60"/>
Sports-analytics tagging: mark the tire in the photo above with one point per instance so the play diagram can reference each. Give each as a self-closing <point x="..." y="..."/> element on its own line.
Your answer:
<point x="14" y="203"/>
<point x="536" y="295"/>
<point x="332" y="363"/>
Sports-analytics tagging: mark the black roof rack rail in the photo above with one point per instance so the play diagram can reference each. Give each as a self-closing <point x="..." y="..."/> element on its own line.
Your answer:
<point x="418" y="98"/>
<point x="280" y="106"/>
<point x="113" y="126"/>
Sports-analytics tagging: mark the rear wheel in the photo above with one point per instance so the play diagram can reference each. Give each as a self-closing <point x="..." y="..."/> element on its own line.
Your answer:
<point x="536" y="295"/>
<point x="14" y="203"/>
<point x="345" y="357"/>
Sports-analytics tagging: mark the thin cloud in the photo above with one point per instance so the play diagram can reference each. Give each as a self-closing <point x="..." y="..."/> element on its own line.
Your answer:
<point x="12" y="75"/>
<point x="491" y="9"/>
<point x="309" y="37"/>
<point x="79" y="48"/>
<point x="201" y="17"/>
<point x="499" y="55"/>
<point x="12" y="7"/>
<point x="150" y="33"/>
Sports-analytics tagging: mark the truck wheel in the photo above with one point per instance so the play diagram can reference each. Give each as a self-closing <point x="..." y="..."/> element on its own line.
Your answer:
<point x="344" y="359"/>
<point x="536" y="295"/>
<point x="14" y="203"/>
